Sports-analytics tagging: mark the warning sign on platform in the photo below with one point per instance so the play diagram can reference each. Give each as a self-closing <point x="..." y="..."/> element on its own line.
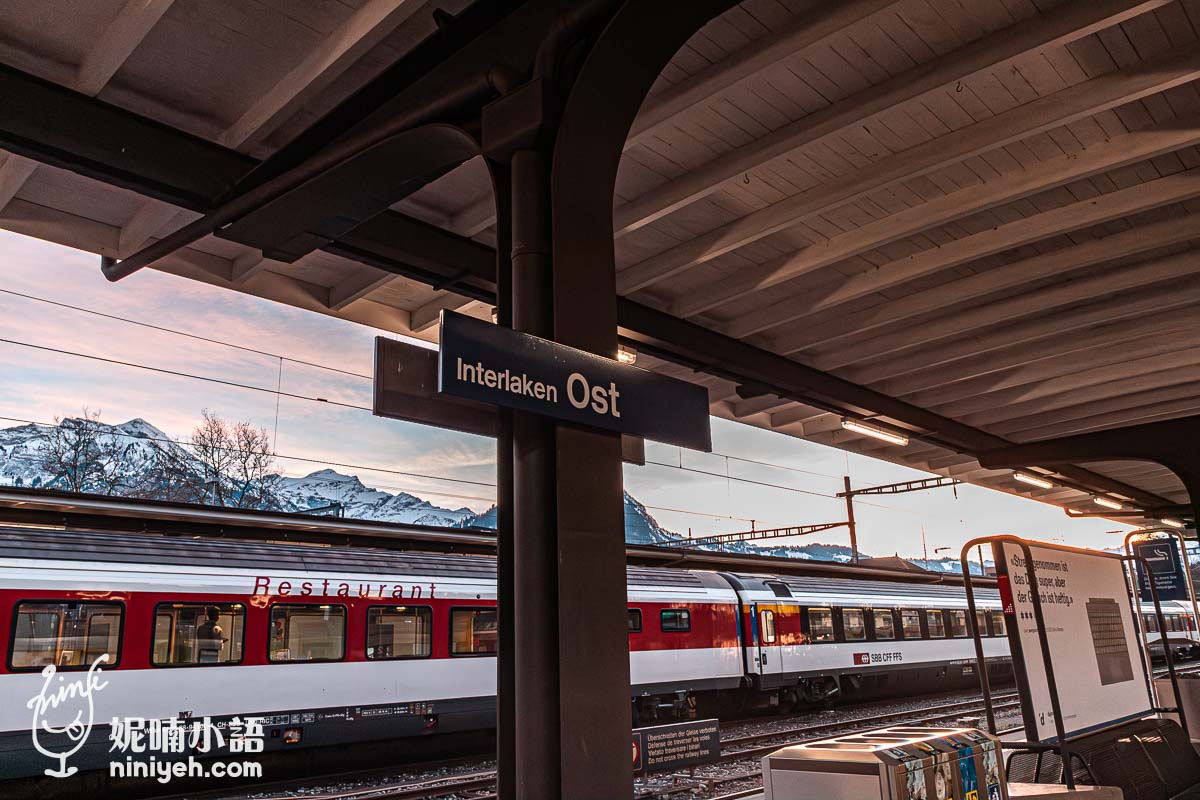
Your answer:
<point x="681" y="745"/>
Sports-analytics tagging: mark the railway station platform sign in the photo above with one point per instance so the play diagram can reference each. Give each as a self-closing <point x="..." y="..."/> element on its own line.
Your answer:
<point x="406" y="378"/>
<point x="490" y="364"/>
<point x="1088" y="613"/>
<point x="1166" y="568"/>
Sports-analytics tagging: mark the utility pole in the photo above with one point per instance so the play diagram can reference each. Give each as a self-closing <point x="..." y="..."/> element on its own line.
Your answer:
<point x="890" y="488"/>
<point x="850" y="521"/>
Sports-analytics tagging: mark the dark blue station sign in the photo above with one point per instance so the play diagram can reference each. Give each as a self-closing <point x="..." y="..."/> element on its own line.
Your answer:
<point x="1166" y="567"/>
<point x="490" y="364"/>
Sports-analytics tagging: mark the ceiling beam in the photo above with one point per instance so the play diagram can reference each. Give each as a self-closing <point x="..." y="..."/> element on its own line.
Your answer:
<point x="150" y="218"/>
<point x="757" y="405"/>
<point x="247" y="265"/>
<point x="1148" y="412"/>
<point x="676" y="339"/>
<point x="795" y="39"/>
<point x="426" y="316"/>
<point x="1165" y="299"/>
<point x="791" y="41"/>
<point x="1026" y="428"/>
<point x="1116" y="335"/>
<point x="1109" y="155"/>
<point x="116" y="43"/>
<point x="1068" y="23"/>
<point x="323" y="64"/>
<point x="807" y="332"/>
<point x="357" y="286"/>
<point x="1094" y="387"/>
<point x="1038" y="372"/>
<point x="15" y="171"/>
<point x="1037" y="302"/>
<point x="475" y="218"/>
<point x="1076" y="216"/>
<point x="1002" y="404"/>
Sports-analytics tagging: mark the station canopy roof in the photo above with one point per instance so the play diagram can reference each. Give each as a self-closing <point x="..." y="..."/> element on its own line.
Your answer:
<point x="983" y="212"/>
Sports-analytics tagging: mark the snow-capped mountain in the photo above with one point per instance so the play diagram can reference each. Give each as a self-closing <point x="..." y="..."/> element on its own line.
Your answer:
<point x="320" y="489"/>
<point x="147" y="463"/>
<point x="23" y="452"/>
<point x="640" y="526"/>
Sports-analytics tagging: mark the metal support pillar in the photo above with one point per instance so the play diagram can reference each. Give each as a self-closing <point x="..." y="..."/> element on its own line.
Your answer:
<point x="537" y="753"/>
<point x="562" y="132"/>
<point x="850" y="520"/>
<point x="506" y="670"/>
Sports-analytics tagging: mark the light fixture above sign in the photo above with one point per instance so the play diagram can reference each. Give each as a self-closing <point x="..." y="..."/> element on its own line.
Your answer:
<point x="1033" y="480"/>
<point x="875" y="432"/>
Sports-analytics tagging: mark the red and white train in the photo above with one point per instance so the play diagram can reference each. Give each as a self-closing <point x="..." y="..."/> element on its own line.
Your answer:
<point x="336" y="645"/>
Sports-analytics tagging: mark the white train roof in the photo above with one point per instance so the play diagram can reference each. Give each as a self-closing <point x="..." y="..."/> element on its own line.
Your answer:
<point x="835" y="591"/>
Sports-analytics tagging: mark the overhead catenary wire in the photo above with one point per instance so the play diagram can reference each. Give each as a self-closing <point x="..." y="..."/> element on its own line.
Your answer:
<point x="315" y="365"/>
<point x="173" y="331"/>
<point x="278" y="393"/>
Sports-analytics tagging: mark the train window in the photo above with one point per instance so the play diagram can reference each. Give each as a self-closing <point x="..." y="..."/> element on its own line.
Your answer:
<point x="998" y="623"/>
<point x="399" y="632"/>
<point x="910" y="623"/>
<point x="678" y="620"/>
<point x="957" y="623"/>
<point x="820" y="625"/>
<point x="767" y="625"/>
<point x="307" y="633"/>
<point x="67" y="634"/>
<point x="186" y="634"/>
<point x="473" y="632"/>
<point x="635" y="620"/>
<point x="855" y="624"/>
<point x="1151" y="623"/>
<point x="885" y="624"/>
<point x="937" y="628"/>
<point x="981" y="623"/>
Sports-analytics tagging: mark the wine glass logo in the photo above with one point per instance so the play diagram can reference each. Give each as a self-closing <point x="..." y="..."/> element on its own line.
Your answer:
<point x="74" y="696"/>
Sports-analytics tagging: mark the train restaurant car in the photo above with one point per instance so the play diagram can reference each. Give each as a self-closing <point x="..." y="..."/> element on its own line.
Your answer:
<point x="339" y="645"/>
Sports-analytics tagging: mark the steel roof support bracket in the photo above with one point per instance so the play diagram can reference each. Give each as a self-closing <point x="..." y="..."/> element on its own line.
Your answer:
<point x="1173" y="443"/>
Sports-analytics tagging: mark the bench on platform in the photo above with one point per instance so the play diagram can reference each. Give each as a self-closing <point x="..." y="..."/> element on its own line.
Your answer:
<point x="1149" y="759"/>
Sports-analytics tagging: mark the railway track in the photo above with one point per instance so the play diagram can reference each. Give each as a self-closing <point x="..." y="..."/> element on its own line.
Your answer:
<point x="739" y="748"/>
<point x="481" y="785"/>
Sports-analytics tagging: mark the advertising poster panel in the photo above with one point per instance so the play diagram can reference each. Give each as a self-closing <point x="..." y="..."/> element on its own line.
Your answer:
<point x="1089" y="628"/>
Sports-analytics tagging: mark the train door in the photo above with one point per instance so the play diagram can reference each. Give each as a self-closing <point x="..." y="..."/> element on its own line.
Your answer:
<point x="770" y="653"/>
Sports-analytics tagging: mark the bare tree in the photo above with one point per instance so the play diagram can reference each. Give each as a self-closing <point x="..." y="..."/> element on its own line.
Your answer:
<point x="114" y="466"/>
<point x="73" y="454"/>
<point x="236" y="460"/>
<point x="212" y="445"/>
<point x="170" y="476"/>
<point x="253" y="478"/>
